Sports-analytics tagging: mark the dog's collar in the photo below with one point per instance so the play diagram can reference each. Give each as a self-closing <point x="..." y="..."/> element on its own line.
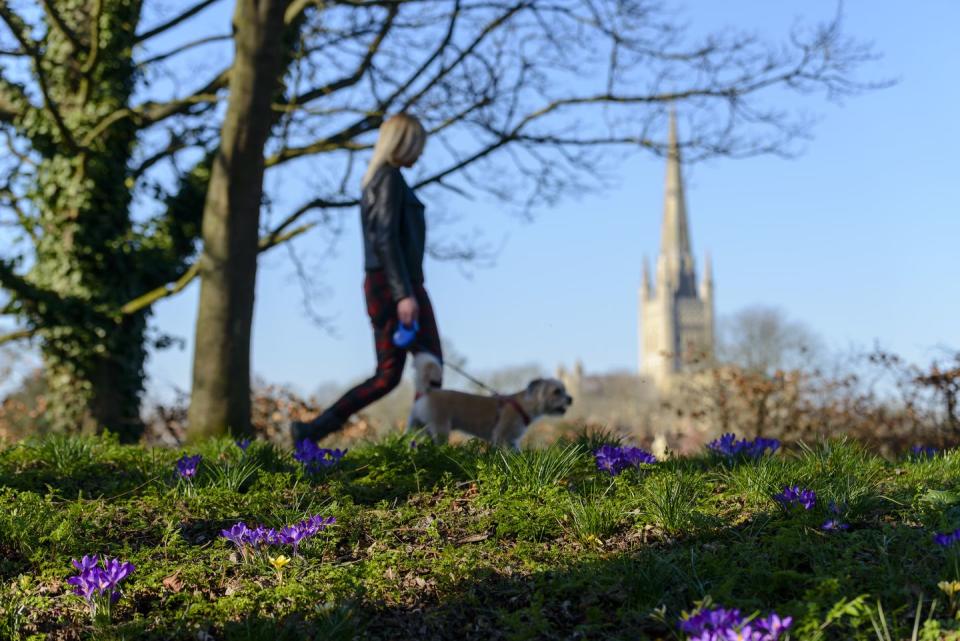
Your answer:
<point x="418" y="395"/>
<point x="512" y="402"/>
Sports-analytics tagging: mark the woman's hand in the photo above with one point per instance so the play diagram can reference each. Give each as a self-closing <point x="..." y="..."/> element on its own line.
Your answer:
<point x="408" y="310"/>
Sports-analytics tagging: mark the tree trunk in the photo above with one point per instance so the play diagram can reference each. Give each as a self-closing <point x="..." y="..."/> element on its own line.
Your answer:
<point x="93" y="361"/>
<point x="97" y="386"/>
<point x="220" y="397"/>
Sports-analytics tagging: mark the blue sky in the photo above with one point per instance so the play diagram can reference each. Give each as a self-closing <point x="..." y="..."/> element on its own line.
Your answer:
<point x="858" y="237"/>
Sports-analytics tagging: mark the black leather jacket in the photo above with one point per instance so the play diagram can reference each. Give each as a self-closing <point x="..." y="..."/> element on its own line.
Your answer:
<point x="394" y="230"/>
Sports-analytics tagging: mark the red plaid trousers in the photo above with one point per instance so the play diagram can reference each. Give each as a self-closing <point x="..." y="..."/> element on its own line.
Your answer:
<point x="382" y="310"/>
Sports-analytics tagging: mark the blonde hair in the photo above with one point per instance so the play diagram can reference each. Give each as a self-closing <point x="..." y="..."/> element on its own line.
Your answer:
<point x="399" y="142"/>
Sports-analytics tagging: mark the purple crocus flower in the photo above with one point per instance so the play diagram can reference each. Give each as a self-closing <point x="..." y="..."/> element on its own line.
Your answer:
<point x="726" y="445"/>
<point x="236" y="534"/>
<point x="86" y="562"/>
<point x="923" y="451"/>
<point x="774" y="625"/>
<point x="614" y="459"/>
<point x="84" y="584"/>
<point x="187" y="466"/>
<point x="759" y="445"/>
<point x="315" y="458"/>
<point x="729" y="447"/>
<point x="114" y="571"/>
<point x="253" y="536"/>
<point x="317" y="523"/>
<point x="273" y="537"/>
<point x="947" y="539"/>
<point x="244" y="536"/>
<point x="794" y="495"/>
<point x="98" y="584"/>
<point x="832" y="525"/>
<point x="292" y="535"/>
<point x="243" y="444"/>
<point x="715" y="619"/>
<point x="722" y="624"/>
<point x="308" y="527"/>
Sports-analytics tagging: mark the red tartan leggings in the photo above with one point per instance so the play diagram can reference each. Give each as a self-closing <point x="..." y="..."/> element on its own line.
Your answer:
<point x="390" y="359"/>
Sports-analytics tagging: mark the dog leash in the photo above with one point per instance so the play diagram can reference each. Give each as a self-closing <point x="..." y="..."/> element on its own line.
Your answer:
<point x="473" y="380"/>
<point x="501" y="399"/>
<point x="405" y="337"/>
<point x="460" y="371"/>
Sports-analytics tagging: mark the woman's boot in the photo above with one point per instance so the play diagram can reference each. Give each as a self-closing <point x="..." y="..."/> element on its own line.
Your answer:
<point x="317" y="429"/>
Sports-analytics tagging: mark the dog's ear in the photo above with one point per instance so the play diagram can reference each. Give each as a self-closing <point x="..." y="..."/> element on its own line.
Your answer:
<point x="534" y="388"/>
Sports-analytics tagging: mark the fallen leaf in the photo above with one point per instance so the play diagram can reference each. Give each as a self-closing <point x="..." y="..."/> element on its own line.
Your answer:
<point x="173" y="583"/>
<point x="474" y="538"/>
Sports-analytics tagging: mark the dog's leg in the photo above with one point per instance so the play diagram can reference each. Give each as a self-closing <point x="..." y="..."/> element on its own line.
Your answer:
<point x="413" y="420"/>
<point x="413" y="424"/>
<point x="440" y="432"/>
<point x="498" y="435"/>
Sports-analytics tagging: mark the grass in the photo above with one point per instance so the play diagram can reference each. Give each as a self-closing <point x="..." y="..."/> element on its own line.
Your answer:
<point x="442" y="542"/>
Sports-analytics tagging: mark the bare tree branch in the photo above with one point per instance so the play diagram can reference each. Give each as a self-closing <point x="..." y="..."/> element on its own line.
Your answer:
<point x="351" y="79"/>
<point x="152" y="113"/>
<point x="146" y="300"/>
<point x="176" y="143"/>
<point x="160" y="57"/>
<point x="173" y="22"/>
<point x="478" y="40"/>
<point x="17" y="335"/>
<point x="297" y="7"/>
<point x="94" y="53"/>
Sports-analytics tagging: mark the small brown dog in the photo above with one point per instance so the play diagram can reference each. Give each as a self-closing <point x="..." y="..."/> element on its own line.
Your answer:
<point x="502" y="420"/>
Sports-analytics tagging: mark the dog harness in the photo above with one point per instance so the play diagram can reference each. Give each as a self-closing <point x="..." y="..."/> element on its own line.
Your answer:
<point x="512" y="402"/>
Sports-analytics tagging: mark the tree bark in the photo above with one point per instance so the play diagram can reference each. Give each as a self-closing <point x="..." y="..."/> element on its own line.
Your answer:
<point x="220" y="396"/>
<point x="93" y="363"/>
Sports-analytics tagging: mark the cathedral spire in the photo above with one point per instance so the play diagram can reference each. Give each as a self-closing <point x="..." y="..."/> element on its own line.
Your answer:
<point x="645" y="282"/>
<point x="676" y="329"/>
<point x="706" y="284"/>
<point x="675" y="235"/>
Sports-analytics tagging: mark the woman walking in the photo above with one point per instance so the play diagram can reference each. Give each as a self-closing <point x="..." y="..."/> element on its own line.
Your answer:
<point x="394" y="239"/>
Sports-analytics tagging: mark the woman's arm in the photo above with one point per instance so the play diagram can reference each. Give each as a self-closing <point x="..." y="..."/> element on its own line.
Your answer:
<point x="386" y="215"/>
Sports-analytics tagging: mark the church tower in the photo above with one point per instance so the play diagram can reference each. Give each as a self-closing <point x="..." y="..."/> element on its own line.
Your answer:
<point x="676" y="316"/>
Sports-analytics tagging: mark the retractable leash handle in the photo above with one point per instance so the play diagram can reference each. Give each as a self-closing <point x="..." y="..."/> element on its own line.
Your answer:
<point x="405" y="334"/>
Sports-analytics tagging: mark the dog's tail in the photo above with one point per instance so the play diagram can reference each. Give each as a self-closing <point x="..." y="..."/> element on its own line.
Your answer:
<point x="428" y="372"/>
<point x="428" y="376"/>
